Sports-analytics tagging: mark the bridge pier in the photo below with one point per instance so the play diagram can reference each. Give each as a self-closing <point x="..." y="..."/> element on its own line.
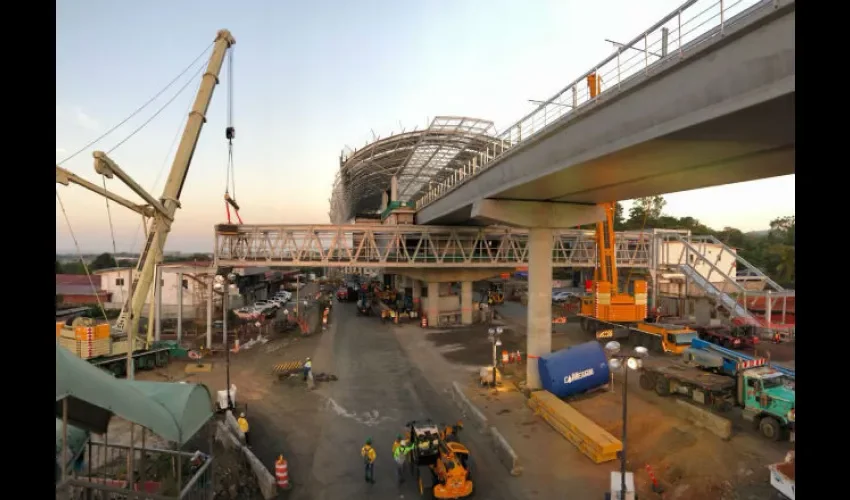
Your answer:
<point x="539" y="319"/>
<point x="466" y="302"/>
<point x="433" y="313"/>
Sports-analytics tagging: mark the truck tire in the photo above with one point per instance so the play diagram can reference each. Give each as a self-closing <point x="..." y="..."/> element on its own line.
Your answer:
<point x="770" y="428"/>
<point x="646" y="382"/>
<point x="662" y="386"/>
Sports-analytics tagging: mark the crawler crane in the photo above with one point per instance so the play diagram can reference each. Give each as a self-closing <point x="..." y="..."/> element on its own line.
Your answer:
<point x="609" y="313"/>
<point x="112" y="350"/>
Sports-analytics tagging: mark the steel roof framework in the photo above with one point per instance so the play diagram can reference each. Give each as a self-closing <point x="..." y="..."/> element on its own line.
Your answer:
<point x="418" y="159"/>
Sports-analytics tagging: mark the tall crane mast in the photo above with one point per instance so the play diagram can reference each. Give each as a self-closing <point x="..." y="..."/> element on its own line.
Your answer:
<point x="161" y="211"/>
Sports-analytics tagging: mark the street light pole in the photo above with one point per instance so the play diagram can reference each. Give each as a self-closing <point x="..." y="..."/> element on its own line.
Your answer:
<point x="629" y="361"/>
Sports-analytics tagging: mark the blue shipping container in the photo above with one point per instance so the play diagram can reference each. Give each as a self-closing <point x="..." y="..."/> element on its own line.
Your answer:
<point x="574" y="370"/>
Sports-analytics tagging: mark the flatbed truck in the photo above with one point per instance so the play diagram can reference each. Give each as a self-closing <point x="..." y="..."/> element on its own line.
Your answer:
<point x="722" y="380"/>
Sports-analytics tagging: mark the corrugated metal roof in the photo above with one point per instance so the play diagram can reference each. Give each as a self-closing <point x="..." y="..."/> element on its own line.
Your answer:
<point x="77" y="279"/>
<point x="78" y="290"/>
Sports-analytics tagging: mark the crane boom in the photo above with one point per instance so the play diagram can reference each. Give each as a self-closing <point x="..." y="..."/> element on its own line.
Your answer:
<point x="606" y="268"/>
<point x="160" y="225"/>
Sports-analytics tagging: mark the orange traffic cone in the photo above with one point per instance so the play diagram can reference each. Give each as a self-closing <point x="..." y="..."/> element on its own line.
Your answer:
<point x="281" y="472"/>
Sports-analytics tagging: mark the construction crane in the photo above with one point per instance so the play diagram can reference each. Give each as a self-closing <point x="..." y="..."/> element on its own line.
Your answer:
<point x="161" y="211"/>
<point x="609" y="313"/>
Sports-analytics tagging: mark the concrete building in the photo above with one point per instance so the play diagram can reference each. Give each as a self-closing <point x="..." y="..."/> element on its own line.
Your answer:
<point x="191" y="288"/>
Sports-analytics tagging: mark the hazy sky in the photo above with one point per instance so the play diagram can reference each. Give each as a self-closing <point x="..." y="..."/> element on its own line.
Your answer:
<point x="312" y="77"/>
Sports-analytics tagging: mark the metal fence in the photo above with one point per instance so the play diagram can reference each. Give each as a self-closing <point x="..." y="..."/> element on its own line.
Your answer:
<point x="693" y="23"/>
<point x="161" y="475"/>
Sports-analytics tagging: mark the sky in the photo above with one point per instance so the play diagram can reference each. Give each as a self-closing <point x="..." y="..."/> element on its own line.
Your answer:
<point x="310" y="78"/>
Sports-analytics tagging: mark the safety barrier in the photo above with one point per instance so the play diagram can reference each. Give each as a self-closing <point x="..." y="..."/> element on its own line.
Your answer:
<point x="594" y="441"/>
<point x="700" y="417"/>
<point x="506" y="454"/>
<point x="468" y="408"/>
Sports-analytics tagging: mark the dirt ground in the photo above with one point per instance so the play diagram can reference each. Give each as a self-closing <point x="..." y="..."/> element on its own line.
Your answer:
<point x="690" y="463"/>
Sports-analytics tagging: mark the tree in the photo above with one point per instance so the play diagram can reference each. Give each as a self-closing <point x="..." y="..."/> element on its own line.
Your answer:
<point x="58" y="267"/>
<point x="103" y="261"/>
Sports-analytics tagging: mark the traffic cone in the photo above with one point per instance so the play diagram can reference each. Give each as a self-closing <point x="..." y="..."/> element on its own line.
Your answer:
<point x="281" y="472"/>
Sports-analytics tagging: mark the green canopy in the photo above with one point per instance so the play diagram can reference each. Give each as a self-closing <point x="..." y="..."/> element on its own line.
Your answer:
<point x="174" y="411"/>
<point x="76" y="438"/>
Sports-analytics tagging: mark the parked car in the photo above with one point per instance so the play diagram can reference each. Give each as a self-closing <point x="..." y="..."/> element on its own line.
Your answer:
<point x="284" y="295"/>
<point x="263" y="305"/>
<point x="562" y="296"/>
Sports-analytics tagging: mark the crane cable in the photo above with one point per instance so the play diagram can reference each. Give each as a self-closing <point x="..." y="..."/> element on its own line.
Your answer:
<point x="230" y="133"/>
<point x="80" y="254"/>
<point x="111" y="232"/>
<point x="139" y="110"/>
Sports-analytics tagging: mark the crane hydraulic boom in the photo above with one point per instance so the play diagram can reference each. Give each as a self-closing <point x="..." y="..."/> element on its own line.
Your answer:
<point x="160" y="225"/>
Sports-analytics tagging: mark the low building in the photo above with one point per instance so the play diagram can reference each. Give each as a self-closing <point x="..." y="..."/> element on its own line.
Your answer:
<point x="195" y="285"/>
<point x="80" y="289"/>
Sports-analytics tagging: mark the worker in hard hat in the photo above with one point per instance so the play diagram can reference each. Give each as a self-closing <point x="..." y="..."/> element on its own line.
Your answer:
<point x="308" y="367"/>
<point x="243" y="425"/>
<point x="369" y="456"/>
<point x="400" y="450"/>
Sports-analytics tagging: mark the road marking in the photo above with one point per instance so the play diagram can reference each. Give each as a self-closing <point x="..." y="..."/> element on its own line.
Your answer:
<point x="370" y="418"/>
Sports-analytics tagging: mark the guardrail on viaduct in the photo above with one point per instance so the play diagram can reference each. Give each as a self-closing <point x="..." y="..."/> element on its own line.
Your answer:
<point x="692" y="24"/>
<point x="410" y="246"/>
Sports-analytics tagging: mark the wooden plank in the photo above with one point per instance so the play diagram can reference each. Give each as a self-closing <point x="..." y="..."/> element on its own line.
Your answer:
<point x="593" y="441"/>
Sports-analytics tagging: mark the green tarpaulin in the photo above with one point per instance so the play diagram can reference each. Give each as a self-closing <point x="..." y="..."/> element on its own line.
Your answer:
<point x="174" y="411"/>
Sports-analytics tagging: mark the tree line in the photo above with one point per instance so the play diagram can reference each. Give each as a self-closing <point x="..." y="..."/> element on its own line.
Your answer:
<point x="772" y="251"/>
<point x="107" y="261"/>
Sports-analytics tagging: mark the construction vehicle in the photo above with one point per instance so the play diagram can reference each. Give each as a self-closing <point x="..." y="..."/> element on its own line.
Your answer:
<point x="123" y="337"/>
<point x="445" y="463"/>
<point x="92" y="341"/>
<point x="736" y="337"/>
<point x="720" y="378"/>
<point x="613" y="313"/>
<point x="782" y="476"/>
<point x="496" y="293"/>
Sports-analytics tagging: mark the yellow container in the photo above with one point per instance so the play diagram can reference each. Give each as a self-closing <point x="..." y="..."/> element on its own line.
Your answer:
<point x="592" y="440"/>
<point x="99" y="332"/>
<point x="59" y="325"/>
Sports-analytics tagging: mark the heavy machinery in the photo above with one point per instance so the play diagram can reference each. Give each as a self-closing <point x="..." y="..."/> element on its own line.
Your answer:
<point x="607" y="310"/>
<point x="496" y="293"/>
<point x="721" y="378"/>
<point x="161" y="212"/>
<point x="445" y="462"/>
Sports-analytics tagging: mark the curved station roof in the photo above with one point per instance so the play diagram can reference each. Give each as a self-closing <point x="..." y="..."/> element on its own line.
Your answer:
<point x="417" y="158"/>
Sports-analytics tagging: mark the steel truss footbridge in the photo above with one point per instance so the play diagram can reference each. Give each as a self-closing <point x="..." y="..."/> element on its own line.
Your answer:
<point x="410" y="246"/>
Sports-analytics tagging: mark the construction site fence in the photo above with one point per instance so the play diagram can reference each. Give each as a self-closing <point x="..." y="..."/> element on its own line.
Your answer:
<point x="103" y="475"/>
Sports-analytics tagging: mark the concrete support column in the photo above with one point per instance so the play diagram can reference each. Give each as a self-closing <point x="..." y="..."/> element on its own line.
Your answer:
<point x="539" y="323"/>
<point x="466" y="303"/>
<point x="179" y="307"/>
<point x="157" y="297"/>
<point x="211" y="294"/>
<point x="384" y="201"/>
<point x="417" y="291"/>
<point x="433" y="312"/>
<point x="394" y="188"/>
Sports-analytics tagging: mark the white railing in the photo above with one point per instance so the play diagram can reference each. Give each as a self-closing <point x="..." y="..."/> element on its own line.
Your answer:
<point x="694" y="22"/>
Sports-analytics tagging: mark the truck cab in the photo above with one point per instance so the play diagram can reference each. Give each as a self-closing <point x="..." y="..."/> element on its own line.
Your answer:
<point x="673" y="338"/>
<point x="768" y="399"/>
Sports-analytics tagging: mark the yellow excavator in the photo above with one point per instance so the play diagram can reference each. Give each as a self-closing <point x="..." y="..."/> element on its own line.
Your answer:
<point x="440" y="463"/>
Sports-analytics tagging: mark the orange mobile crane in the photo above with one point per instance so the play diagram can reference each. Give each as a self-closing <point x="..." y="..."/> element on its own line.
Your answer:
<point x="609" y="313"/>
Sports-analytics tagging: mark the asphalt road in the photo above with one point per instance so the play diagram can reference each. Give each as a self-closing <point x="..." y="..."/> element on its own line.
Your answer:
<point x="378" y="391"/>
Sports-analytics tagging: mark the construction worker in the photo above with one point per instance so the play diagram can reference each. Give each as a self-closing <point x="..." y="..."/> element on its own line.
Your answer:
<point x="400" y="450"/>
<point x="369" y="456"/>
<point x="243" y="425"/>
<point x="308" y="367"/>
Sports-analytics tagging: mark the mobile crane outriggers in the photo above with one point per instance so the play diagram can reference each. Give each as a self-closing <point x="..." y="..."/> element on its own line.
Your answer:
<point x="607" y="311"/>
<point x="161" y="211"/>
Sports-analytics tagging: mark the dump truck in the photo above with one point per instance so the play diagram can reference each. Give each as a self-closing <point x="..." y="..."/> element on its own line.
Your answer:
<point x="717" y="377"/>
